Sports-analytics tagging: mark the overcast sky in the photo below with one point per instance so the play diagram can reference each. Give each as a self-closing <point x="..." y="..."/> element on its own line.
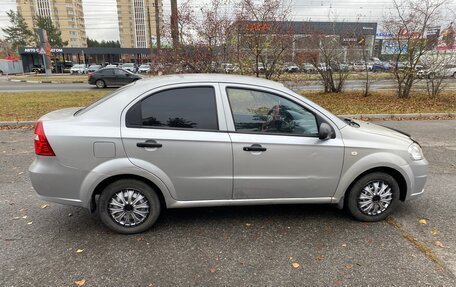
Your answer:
<point x="101" y="15"/>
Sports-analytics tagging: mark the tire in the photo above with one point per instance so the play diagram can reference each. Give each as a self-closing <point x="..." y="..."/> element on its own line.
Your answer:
<point x="145" y="217"/>
<point x="100" y="84"/>
<point x="364" y="187"/>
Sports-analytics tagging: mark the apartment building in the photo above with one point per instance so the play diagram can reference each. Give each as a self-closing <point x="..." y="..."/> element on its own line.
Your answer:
<point x="67" y="16"/>
<point x="137" y="22"/>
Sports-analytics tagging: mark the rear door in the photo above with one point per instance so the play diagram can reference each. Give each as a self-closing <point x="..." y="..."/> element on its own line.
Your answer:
<point x="276" y="149"/>
<point x="179" y="134"/>
<point x="107" y="75"/>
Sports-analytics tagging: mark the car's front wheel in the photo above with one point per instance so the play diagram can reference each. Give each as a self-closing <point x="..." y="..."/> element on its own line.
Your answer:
<point x="100" y="84"/>
<point x="129" y="206"/>
<point x="373" y="197"/>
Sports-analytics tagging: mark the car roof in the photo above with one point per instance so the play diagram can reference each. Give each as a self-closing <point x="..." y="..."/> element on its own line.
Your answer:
<point x="208" y="78"/>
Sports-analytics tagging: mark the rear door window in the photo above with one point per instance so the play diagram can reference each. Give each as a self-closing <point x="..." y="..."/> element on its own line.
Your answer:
<point x="180" y="108"/>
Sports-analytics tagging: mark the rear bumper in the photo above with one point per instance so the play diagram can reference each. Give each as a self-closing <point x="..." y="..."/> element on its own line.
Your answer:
<point x="55" y="182"/>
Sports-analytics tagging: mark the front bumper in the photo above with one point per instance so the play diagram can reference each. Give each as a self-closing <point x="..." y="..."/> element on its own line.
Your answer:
<point x="419" y="174"/>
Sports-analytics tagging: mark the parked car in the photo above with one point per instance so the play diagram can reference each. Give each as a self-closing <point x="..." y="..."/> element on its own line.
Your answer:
<point x="93" y="68"/>
<point x="108" y="77"/>
<point x="38" y="69"/>
<point x="358" y="67"/>
<point x="381" y="67"/>
<point x="214" y="140"/>
<point x="132" y="67"/>
<point x="308" y="68"/>
<point x="78" y="69"/>
<point x="144" y="68"/>
<point x="444" y="71"/>
<point x="291" y="68"/>
<point x="230" y="68"/>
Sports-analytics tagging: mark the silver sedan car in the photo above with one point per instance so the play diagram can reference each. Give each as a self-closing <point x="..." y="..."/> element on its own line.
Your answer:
<point x="216" y="140"/>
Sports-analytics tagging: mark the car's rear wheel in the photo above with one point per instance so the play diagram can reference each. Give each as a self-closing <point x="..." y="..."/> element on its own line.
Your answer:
<point x="373" y="197"/>
<point x="100" y="84"/>
<point x="129" y="206"/>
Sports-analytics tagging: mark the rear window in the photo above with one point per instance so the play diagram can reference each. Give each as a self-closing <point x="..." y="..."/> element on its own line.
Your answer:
<point x="181" y="108"/>
<point x="101" y="100"/>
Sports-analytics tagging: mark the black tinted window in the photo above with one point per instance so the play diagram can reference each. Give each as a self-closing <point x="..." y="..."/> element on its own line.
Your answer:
<point x="106" y="71"/>
<point x="120" y="72"/>
<point x="190" y="108"/>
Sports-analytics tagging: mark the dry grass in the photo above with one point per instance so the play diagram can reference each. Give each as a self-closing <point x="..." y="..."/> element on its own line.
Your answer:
<point x="29" y="106"/>
<point x="383" y="102"/>
<point x="53" y="78"/>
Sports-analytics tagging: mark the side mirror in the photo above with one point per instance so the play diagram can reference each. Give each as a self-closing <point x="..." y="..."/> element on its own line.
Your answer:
<point x="325" y="131"/>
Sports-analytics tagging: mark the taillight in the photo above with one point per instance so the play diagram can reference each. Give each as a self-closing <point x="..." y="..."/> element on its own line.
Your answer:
<point x="42" y="146"/>
<point x="90" y="74"/>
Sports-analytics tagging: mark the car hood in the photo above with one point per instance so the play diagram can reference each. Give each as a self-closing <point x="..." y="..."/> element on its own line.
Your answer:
<point x="371" y="128"/>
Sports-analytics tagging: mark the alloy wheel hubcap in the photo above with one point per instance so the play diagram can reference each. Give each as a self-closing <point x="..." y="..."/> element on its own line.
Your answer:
<point x="129" y="207"/>
<point x="375" y="198"/>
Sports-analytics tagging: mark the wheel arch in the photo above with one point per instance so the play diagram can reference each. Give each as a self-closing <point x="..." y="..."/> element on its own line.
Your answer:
<point x="105" y="182"/>
<point x="397" y="175"/>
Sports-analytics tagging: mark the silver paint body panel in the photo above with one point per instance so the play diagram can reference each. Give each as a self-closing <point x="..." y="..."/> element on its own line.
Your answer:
<point x="210" y="168"/>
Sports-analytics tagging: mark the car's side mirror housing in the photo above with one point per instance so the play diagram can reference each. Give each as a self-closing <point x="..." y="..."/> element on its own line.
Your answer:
<point x="325" y="131"/>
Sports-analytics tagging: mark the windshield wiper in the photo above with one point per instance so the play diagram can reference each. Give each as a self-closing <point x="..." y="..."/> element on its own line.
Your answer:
<point x="350" y="122"/>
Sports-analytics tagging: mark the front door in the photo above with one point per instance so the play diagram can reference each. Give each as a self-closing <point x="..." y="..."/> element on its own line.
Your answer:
<point x="276" y="149"/>
<point x="176" y="135"/>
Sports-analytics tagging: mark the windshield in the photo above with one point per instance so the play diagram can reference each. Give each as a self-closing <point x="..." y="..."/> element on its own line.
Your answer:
<point x="127" y="65"/>
<point x="144" y="66"/>
<point x="95" y="66"/>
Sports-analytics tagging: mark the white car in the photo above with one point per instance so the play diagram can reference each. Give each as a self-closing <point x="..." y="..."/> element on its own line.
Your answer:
<point x="144" y="68"/>
<point x="131" y="67"/>
<point x="79" y="69"/>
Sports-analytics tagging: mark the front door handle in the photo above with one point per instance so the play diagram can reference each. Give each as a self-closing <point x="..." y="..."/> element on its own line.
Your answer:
<point x="149" y="144"/>
<point x="254" y="147"/>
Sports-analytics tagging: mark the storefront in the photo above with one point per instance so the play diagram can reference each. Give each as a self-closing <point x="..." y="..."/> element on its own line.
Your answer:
<point x="63" y="57"/>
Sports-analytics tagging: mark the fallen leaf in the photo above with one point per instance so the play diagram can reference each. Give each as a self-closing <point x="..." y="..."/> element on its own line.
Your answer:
<point x="30" y="222"/>
<point x="80" y="283"/>
<point x="319" y="258"/>
<point x="439" y="244"/>
<point x="422" y="221"/>
<point x="434" y="231"/>
<point x="79" y="250"/>
<point x="248" y="224"/>
<point x="24" y="217"/>
<point x="16" y="217"/>
<point x="295" y="265"/>
<point x="212" y="269"/>
<point x="349" y="266"/>
<point x="344" y="245"/>
<point x="140" y="238"/>
<point x="44" y="206"/>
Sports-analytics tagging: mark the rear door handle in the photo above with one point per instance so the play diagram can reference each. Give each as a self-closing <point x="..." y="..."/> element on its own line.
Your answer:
<point x="149" y="144"/>
<point x="254" y="147"/>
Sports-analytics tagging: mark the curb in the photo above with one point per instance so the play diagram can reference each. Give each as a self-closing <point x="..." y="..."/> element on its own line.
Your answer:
<point x="423" y="116"/>
<point x="401" y="116"/>
<point x="46" y="82"/>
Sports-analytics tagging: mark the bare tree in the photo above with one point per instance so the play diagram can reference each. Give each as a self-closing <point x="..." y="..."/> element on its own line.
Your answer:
<point x="264" y="34"/>
<point x="437" y="64"/>
<point x="409" y="23"/>
<point x="332" y="73"/>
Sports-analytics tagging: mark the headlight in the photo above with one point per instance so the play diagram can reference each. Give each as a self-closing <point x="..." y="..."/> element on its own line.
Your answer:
<point x="415" y="152"/>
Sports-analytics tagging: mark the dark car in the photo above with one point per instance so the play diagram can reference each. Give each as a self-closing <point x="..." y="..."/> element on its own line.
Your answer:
<point x="39" y="69"/>
<point x="381" y="67"/>
<point x="112" y="77"/>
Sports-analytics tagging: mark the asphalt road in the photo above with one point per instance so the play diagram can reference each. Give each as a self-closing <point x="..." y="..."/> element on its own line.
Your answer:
<point x="7" y="86"/>
<point x="232" y="246"/>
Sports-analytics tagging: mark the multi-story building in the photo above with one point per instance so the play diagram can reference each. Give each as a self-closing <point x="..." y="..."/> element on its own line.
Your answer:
<point x="137" y="22"/>
<point x="67" y="16"/>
